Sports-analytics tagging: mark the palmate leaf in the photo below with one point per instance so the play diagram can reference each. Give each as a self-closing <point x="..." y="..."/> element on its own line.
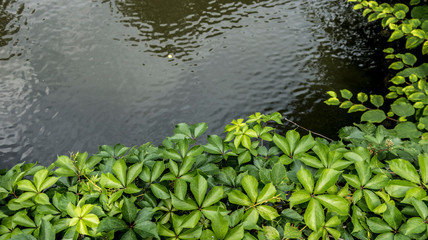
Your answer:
<point x="404" y="169"/>
<point x="198" y="187"/>
<point x="250" y="185"/>
<point x="306" y="179"/>
<point x="327" y="179"/>
<point x="213" y="196"/>
<point x="335" y="203"/>
<point x="112" y="224"/>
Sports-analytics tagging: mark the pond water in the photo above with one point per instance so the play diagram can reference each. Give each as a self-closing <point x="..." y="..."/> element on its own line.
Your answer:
<point x="78" y="74"/>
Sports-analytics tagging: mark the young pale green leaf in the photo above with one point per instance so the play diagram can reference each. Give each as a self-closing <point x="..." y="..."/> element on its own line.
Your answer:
<point x="404" y="169"/>
<point x="65" y="167"/>
<point x="332" y="101"/>
<point x="267" y="193"/>
<point x="282" y="143"/>
<point x="420" y="207"/>
<point x="39" y="178"/>
<point x="333" y="222"/>
<point x="198" y="186"/>
<point x="423" y="167"/>
<point x="314" y="215"/>
<point x="327" y="179"/>
<point x="292" y="137"/>
<point x="334" y="203"/>
<point x="26" y="185"/>
<point x="306" y="179"/>
<point x="48" y="183"/>
<point x="377" y="225"/>
<point x="267" y="212"/>
<point x="392" y="216"/>
<point x="250" y="185"/>
<point x="42" y="199"/>
<point x="237" y="197"/>
<point x="244" y="157"/>
<point x="21" y="218"/>
<point x="362" y="97"/>
<point x="119" y="169"/>
<point x="91" y="220"/>
<point x="207" y="234"/>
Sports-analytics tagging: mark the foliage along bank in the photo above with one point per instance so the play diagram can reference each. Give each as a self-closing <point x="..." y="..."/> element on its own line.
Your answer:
<point x="254" y="183"/>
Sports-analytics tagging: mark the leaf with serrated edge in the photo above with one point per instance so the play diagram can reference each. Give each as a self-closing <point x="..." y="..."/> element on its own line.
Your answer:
<point x="199" y="186"/>
<point x="314" y="215"/>
<point x="250" y="185"/>
<point x="306" y="179"/>
<point x="327" y="179"/>
<point x="213" y="196"/>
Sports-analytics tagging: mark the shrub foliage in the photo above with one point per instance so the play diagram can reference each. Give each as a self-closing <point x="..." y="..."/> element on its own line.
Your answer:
<point x="254" y="183"/>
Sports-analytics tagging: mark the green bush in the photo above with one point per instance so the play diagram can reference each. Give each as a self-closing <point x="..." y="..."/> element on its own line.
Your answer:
<point x="254" y="183"/>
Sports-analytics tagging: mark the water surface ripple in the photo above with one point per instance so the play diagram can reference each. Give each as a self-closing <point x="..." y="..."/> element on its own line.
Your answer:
<point x="78" y="74"/>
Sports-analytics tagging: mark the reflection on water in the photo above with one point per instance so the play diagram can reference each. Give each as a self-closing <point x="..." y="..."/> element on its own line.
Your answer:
<point x="180" y="27"/>
<point x="78" y="74"/>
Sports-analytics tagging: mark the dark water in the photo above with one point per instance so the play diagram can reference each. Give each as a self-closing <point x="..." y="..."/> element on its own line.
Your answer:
<point x="78" y="74"/>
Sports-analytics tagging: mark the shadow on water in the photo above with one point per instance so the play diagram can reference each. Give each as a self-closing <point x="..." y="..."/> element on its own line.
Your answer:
<point x="349" y="56"/>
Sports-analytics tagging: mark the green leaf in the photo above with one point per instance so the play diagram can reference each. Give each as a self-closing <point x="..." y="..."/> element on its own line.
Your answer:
<point x="164" y="231"/>
<point x="414" y="225"/>
<point x="407" y="130"/>
<point x="376" y="100"/>
<point x="26" y="185"/>
<point x="129" y="210"/>
<point x="282" y="143"/>
<point x="193" y="233"/>
<point x="108" y="180"/>
<point x="309" y="160"/>
<point x="199" y="186"/>
<point x="267" y="212"/>
<point x="420" y="207"/>
<point x="425" y="48"/>
<point x="423" y="167"/>
<point x="65" y="167"/>
<point x="180" y="187"/>
<point x="185" y="205"/>
<point x="392" y="216"/>
<point x="192" y="219"/>
<point x="291" y="232"/>
<point x="413" y="42"/>
<point x="299" y="197"/>
<point x="244" y="157"/>
<point x="268" y="192"/>
<point x="220" y="225"/>
<point x="409" y="59"/>
<point x="362" y="97"/>
<point x="397" y="80"/>
<point x="404" y="169"/>
<point x="119" y="169"/>
<point x="186" y="165"/>
<point x="306" y="143"/>
<point x="373" y="116"/>
<point x="346" y="104"/>
<point x="346" y="94"/>
<point x="332" y="101"/>
<point x="199" y="129"/>
<point x="352" y="180"/>
<point x="237" y="197"/>
<point x="327" y="179"/>
<point x="21" y="218"/>
<point x="372" y="199"/>
<point x="47" y="232"/>
<point x="213" y="196"/>
<point x="133" y="172"/>
<point x="278" y="173"/>
<point x="357" y="108"/>
<point x="377" y="182"/>
<point x="236" y="233"/>
<point x="111" y="224"/>
<point x="397" y="34"/>
<point x="314" y="215"/>
<point x="250" y="185"/>
<point x="39" y="178"/>
<point x="377" y="225"/>
<point x="399" y="188"/>
<point x="334" y="203"/>
<point x="48" y="183"/>
<point x="306" y="179"/>
<point x="396" y="65"/>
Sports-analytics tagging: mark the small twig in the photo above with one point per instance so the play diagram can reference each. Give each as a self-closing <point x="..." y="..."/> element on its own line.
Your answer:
<point x="315" y="133"/>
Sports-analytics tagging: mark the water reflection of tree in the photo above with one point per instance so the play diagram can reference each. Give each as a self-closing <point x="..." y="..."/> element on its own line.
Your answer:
<point x="171" y="26"/>
<point x="9" y="20"/>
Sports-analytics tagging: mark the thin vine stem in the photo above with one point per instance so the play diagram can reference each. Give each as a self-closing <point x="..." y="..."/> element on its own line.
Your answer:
<point x="315" y="133"/>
